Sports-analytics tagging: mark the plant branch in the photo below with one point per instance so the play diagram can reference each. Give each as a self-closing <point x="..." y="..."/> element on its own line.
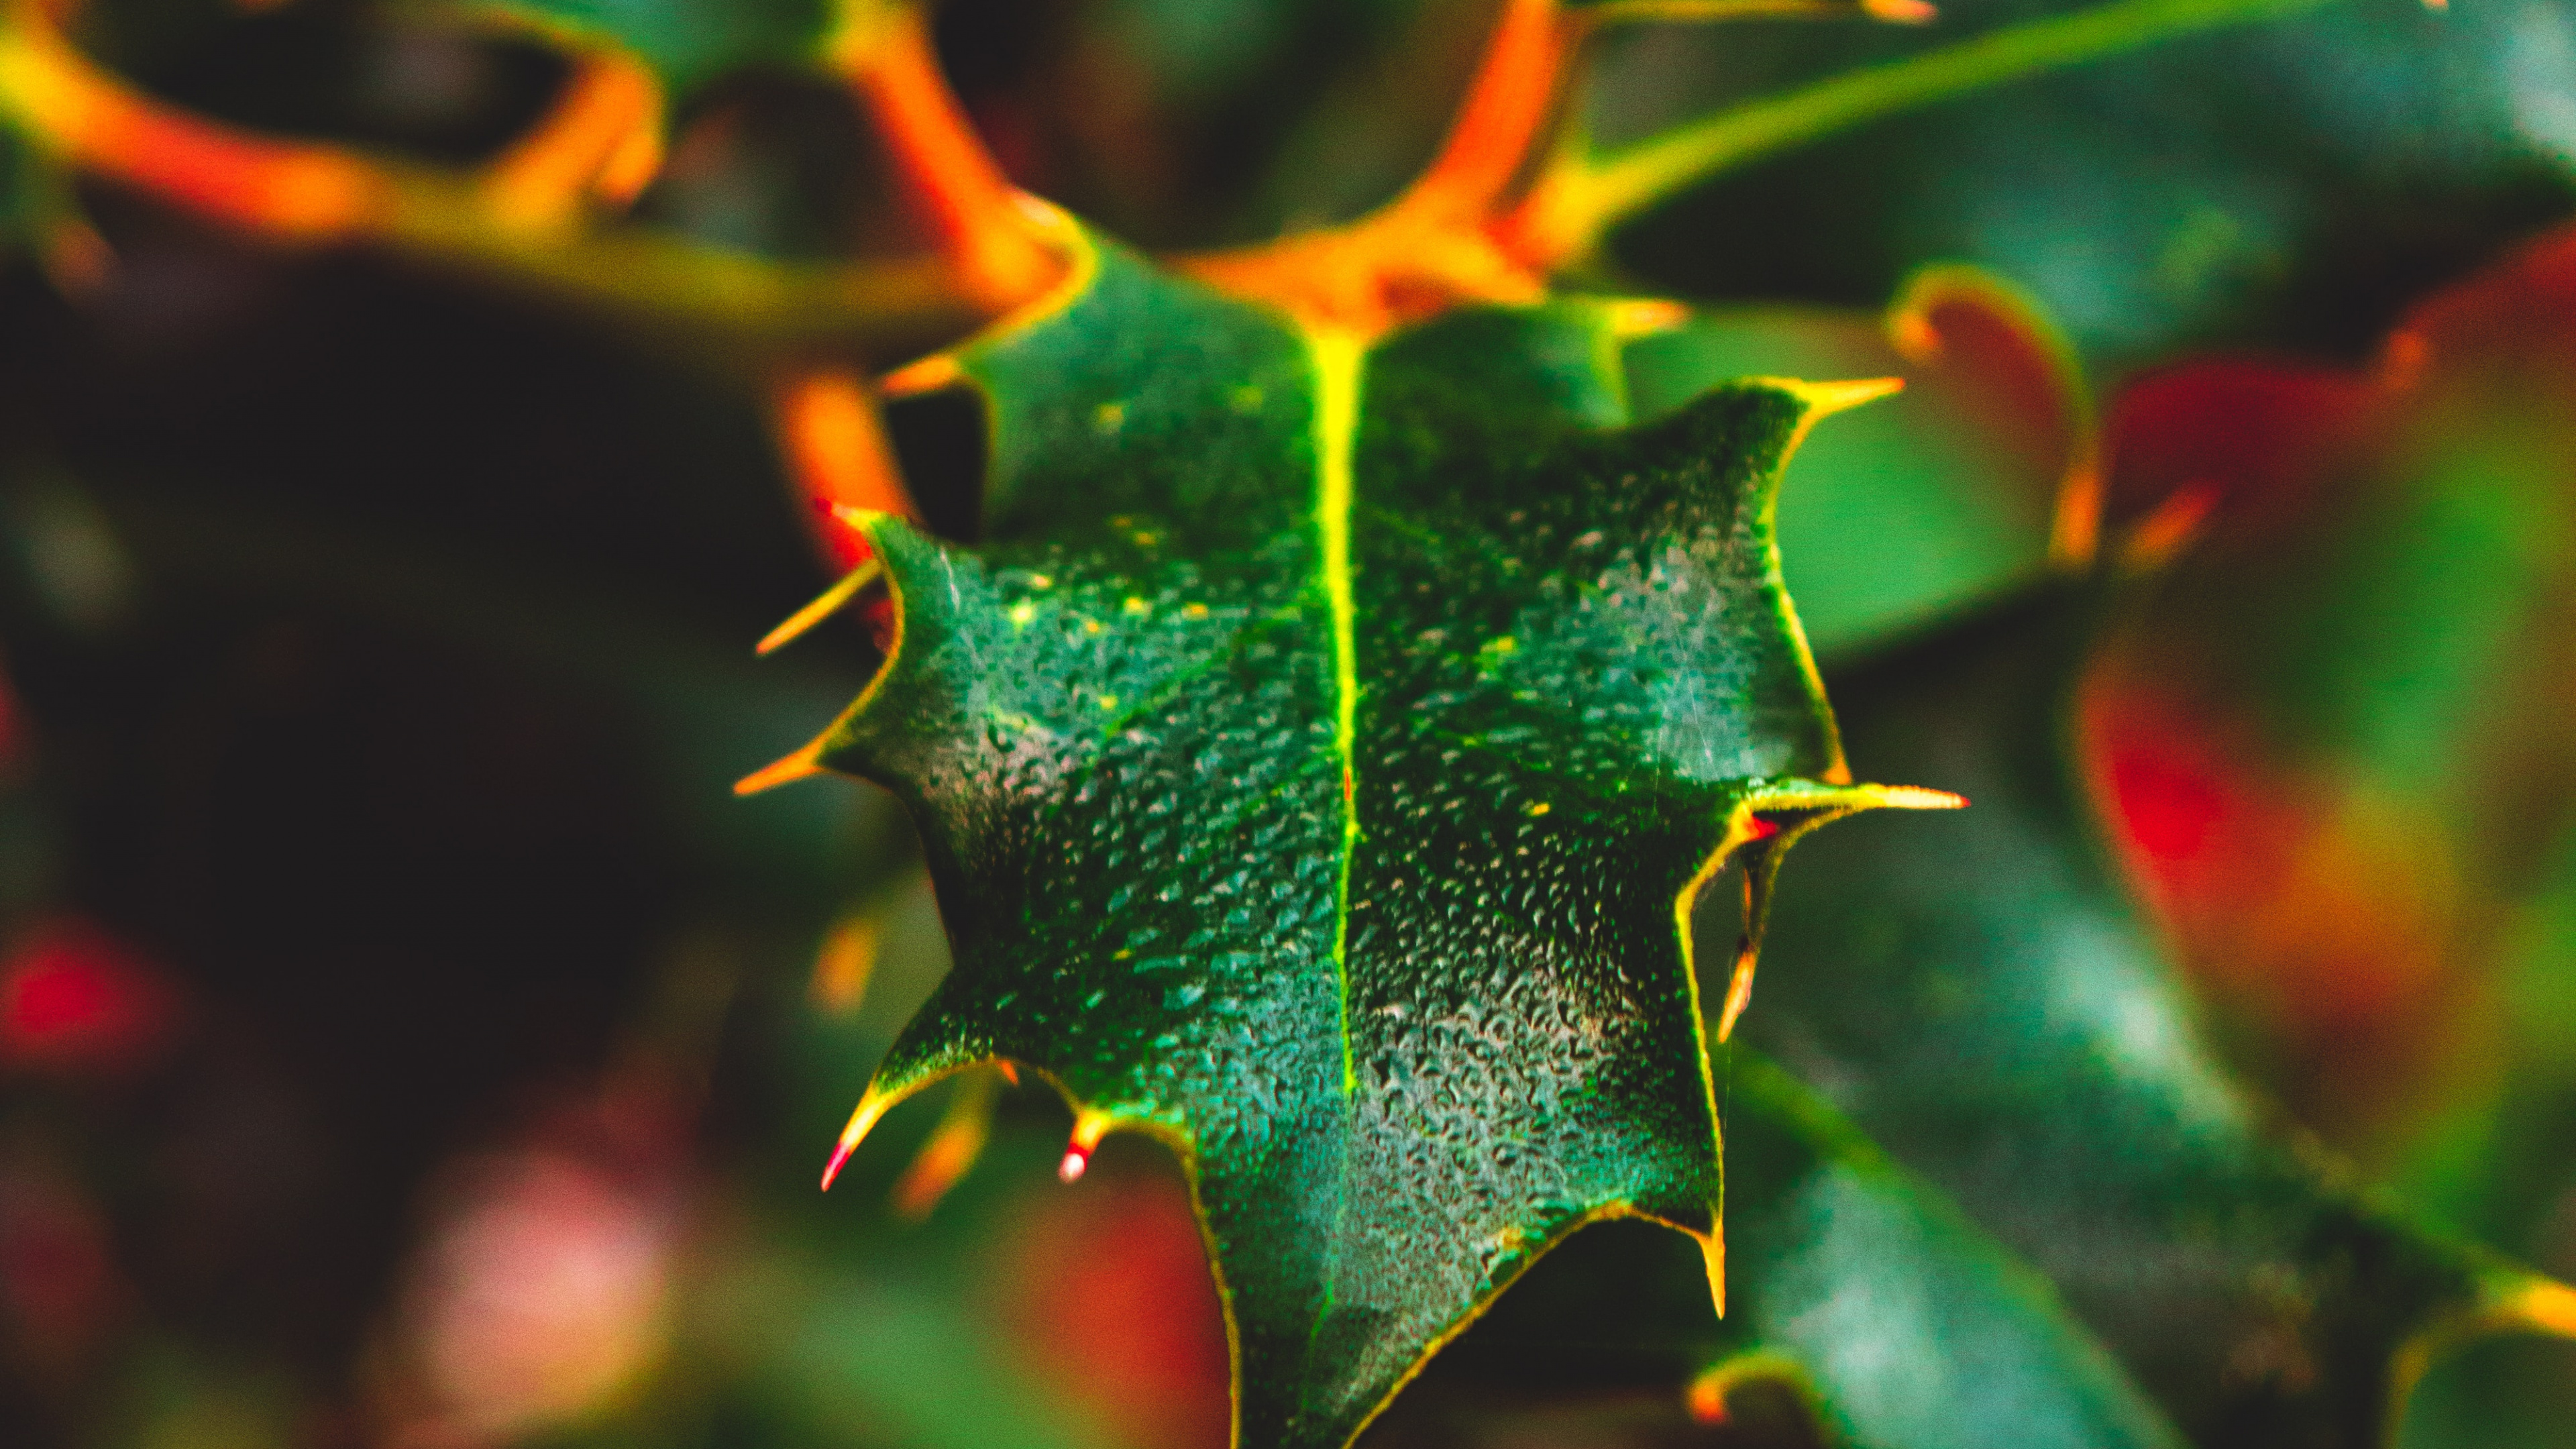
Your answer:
<point x="1429" y="248"/>
<point x="1006" y="253"/>
<point x="528" y="220"/>
<point x="1580" y="204"/>
<point x="602" y="140"/>
<point x="1697" y="12"/>
<point x="1460" y="231"/>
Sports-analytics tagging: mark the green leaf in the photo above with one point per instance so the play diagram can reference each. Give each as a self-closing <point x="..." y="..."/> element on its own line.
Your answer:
<point x="1983" y="1002"/>
<point x="1905" y="1326"/>
<point x="2287" y="184"/>
<point x="1942" y="496"/>
<point x="1317" y="763"/>
<point x="690" y="42"/>
<point x="2335" y="739"/>
<point x="2336" y="731"/>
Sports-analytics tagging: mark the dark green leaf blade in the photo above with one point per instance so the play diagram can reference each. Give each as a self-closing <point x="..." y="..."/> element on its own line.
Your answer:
<point x="690" y="42"/>
<point x="1981" y="999"/>
<point x="1316" y="764"/>
<point x="1902" y="1324"/>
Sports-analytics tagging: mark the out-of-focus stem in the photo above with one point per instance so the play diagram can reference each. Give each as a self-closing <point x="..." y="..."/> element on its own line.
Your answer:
<point x="1578" y="205"/>
<point x="1430" y="247"/>
<point x="838" y="454"/>
<point x="602" y="141"/>
<point x="1499" y="121"/>
<point x="518" y="222"/>
<point x="1001" y="247"/>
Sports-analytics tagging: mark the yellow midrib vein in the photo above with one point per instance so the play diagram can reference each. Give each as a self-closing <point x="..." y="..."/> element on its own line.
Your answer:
<point x="1337" y="362"/>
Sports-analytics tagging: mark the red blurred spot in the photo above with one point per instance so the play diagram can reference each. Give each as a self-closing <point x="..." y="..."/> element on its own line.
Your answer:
<point x="542" y="1291"/>
<point x="2309" y="912"/>
<point x="2260" y="438"/>
<point x="1106" y="1285"/>
<point x="2168" y="798"/>
<point x="73" y="998"/>
<point x="13" y="729"/>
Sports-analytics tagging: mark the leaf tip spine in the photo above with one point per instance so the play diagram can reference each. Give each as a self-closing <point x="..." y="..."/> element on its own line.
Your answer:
<point x="1824" y="399"/>
<point x="872" y="1105"/>
<point x="835" y="446"/>
<point x="930" y="374"/>
<point x="2543" y="1305"/>
<point x="1739" y="988"/>
<point x="844" y="965"/>
<point x="1914" y="797"/>
<point x="1002" y="251"/>
<point x="825" y="606"/>
<point x="1089" y="1126"/>
<point x="1631" y="318"/>
<point x="2173" y="526"/>
<point x="1712" y="1250"/>
<point x="804" y="764"/>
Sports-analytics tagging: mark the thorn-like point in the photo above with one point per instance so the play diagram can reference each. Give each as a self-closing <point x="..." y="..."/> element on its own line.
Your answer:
<point x="1706" y="1399"/>
<point x="836" y="449"/>
<point x="1739" y="990"/>
<point x="871" y="1107"/>
<point x="844" y="964"/>
<point x="1712" y="1252"/>
<point x="1635" y="317"/>
<point x="2170" y="529"/>
<point x="1088" y="1128"/>
<point x="804" y="764"/>
<point x="1915" y="797"/>
<point x="952" y="1147"/>
<point x="1824" y="399"/>
<point x="832" y="1169"/>
<point x="1000" y="253"/>
<point x="2547" y="1306"/>
<point x="831" y="600"/>
<point x="930" y="374"/>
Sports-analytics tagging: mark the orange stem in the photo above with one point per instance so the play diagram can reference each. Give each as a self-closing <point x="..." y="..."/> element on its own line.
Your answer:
<point x="977" y="217"/>
<point x="603" y="138"/>
<point x="1508" y="101"/>
<point x="1435" y="245"/>
<point x="838" y="455"/>
<point x="297" y="193"/>
<point x="306" y="194"/>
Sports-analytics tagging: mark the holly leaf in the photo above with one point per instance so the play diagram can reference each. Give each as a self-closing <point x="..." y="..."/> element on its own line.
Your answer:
<point x="2335" y="733"/>
<point x="1944" y="496"/>
<point x="1865" y="1304"/>
<point x="1317" y="763"/>
<point x="1982" y="1000"/>
<point x="2285" y="185"/>
<point x="2333" y="739"/>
